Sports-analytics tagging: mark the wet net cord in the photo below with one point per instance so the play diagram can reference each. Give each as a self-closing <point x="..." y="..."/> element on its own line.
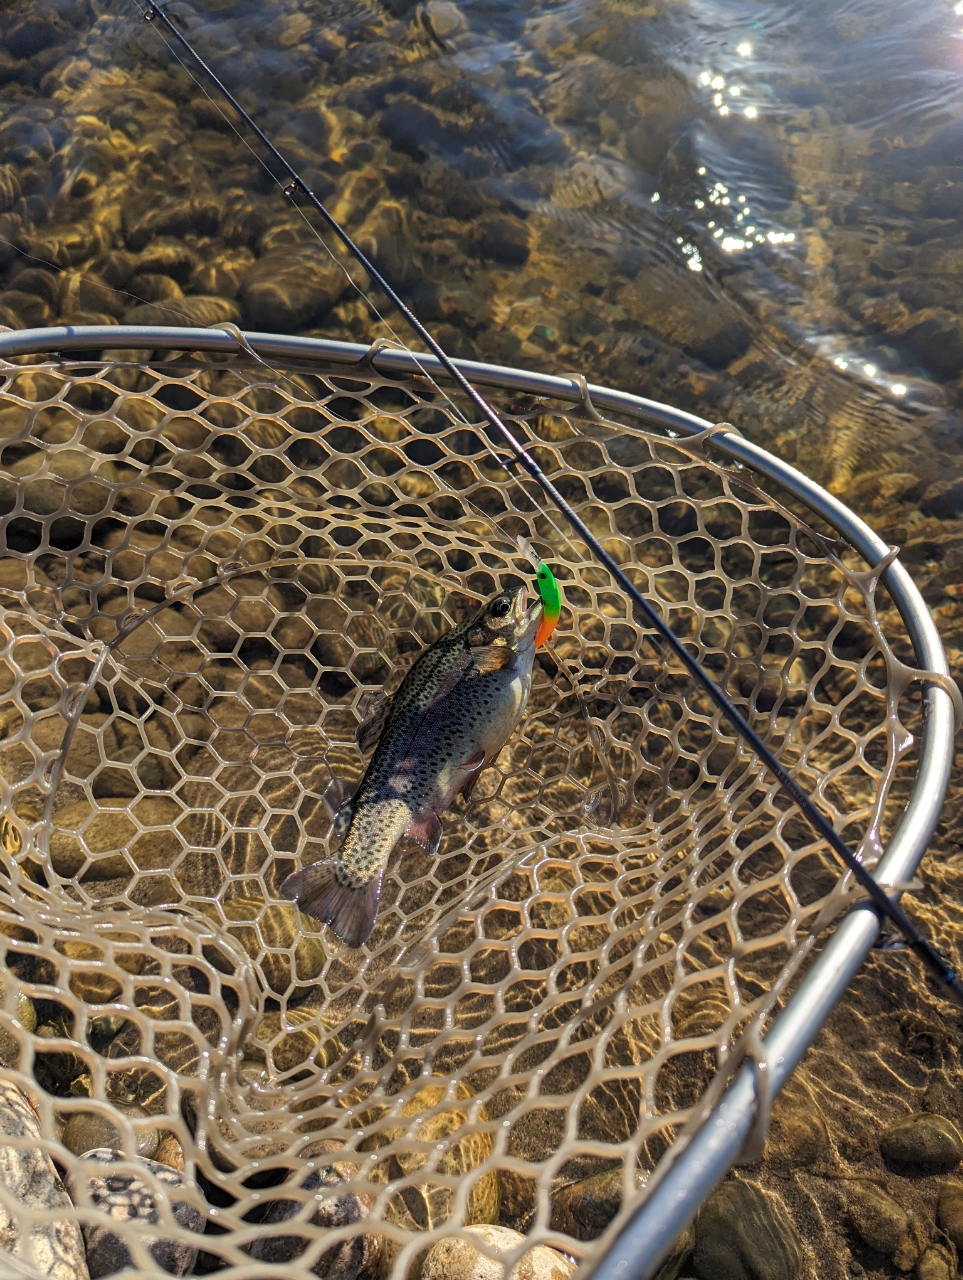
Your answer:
<point x="884" y="905"/>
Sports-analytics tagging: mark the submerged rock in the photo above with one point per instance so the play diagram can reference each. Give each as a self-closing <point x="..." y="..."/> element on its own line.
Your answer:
<point x="443" y="19"/>
<point x="943" y="500"/>
<point x="798" y="1135"/>
<point x="950" y="1213"/>
<point x="170" y="1152"/>
<point x="459" y="1259"/>
<point x="292" y="287"/>
<point x="129" y="1200"/>
<point x="936" y="1264"/>
<point x="32" y="311"/>
<point x="92" y="1130"/>
<point x="53" y="1247"/>
<point x="175" y="218"/>
<point x="584" y="1209"/>
<point x="9" y="1039"/>
<point x="429" y="1203"/>
<point x="923" y="1141"/>
<point x="169" y="257"/>
<point x="744" y="1234"/>
<point x="883" y="1224"/>
<point x="352" y="1259"/>
<point x="198" y="312"/>
<point x="502" y="239"/>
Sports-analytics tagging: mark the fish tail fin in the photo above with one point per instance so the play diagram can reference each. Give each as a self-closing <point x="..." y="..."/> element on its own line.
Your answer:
<point x="349" y="909"/>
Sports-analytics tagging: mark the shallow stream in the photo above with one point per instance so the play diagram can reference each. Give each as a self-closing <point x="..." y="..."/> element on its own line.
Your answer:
<point x="749" y="210"/>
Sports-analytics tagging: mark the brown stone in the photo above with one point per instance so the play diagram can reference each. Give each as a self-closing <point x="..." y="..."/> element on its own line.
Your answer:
<point x="798" y="1135"/>
<point x="744" y="1234"/>
<point x="352" y="1259"/>
<point x="10" y="1041"/>
<point x="950" y="1213"/>
<point x="923" y="1141"/>
<point x="584" y="1209"/>
<point x="170" y="1152"/>
<point x="883" y="1224"/>
<point x="289" y="288"/>
<point x="89" y="1130"/>
<point x="426" y="1204"/>
<point x="936" y="1264"/>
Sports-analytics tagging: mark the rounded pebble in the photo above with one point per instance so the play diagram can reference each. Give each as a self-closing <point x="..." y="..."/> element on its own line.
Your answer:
<point x="128" y="1199"/>
<point x="950" y="1213"/>
<point x="460" y="1259"/>
<point x="923" y="1141"/>
<point x="883" y="1224"/>
<point x="445" y="19"/>
<point x="53" y="1247"/>
<point x="744" y="1234"/>
<point x="935" y="1264"/>
<point x="351" y="1259"/>
<point x="89" y="1130"/>
<point x="798" y="1135"/>
<point x="584" y="1209"/>
<point x="170" y="1152"/>
<point x="9" y="1039"/>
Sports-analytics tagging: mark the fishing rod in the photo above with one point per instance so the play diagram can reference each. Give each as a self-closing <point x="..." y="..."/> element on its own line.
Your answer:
<point x="884" y="905"/>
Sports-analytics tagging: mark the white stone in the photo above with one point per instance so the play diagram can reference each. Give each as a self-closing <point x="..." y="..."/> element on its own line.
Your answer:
<point x="53" y="1248"/>
<point x="459" y="1259"/>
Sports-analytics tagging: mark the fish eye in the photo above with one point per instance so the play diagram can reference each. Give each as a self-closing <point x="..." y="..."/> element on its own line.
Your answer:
<point x="501" y="608"/>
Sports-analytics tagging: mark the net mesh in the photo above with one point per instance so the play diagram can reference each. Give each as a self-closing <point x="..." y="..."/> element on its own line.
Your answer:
<point x="210" y="567"/>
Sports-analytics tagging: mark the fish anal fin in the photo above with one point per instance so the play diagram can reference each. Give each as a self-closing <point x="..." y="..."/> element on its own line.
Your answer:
<point x="427" y="831"/>
<point x="489" y="658"/>
<point x="337" y="799"/>
<point x="376" y="714"/>
<point x="349" y="909"/>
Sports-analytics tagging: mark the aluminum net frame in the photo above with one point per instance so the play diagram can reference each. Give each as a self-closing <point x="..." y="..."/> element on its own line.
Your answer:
<point x="212" y="561"/>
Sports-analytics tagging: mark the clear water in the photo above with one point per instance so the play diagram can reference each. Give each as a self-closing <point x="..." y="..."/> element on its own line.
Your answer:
<point x="547" y="184"/>
<point x="749" y="209"/>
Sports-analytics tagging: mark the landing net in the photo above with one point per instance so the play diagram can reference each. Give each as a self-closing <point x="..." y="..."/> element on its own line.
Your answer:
<point x="211" y="566"/>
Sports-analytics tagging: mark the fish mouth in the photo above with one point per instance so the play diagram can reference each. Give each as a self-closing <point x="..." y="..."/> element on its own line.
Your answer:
<point x="527" y="615"/>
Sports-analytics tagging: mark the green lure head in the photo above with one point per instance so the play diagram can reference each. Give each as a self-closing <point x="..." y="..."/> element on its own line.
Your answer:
<point x="551" y="596"/>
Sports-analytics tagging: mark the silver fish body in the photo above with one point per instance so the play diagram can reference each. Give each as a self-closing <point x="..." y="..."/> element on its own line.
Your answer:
<point x="456" y="708"/>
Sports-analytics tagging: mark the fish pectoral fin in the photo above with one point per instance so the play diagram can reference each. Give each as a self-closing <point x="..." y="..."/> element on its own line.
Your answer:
<point x="376" y="714"/>
<point x="489" y="658"/>
<point x="349" y="908"/>
<point x="475" y="763"/>
<point x="338" y="798"/>
<point x="426" y="831"/>
<point x="459" y="668"/>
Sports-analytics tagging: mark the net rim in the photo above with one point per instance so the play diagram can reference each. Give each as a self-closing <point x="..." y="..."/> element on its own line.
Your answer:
<point x="637" y="1245"/>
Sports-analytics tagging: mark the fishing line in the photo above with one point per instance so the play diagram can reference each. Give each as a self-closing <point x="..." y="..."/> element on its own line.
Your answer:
<point x="884" y="906"/>
<point x="290" y="191"/>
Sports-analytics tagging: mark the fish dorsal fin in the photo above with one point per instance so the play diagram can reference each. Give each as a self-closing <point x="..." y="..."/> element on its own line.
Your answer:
<point x="489" y="658"/>
<point x="376" y="713"/>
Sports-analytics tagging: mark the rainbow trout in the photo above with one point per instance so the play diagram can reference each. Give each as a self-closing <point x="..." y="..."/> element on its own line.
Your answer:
<point x="456" y="708"/>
